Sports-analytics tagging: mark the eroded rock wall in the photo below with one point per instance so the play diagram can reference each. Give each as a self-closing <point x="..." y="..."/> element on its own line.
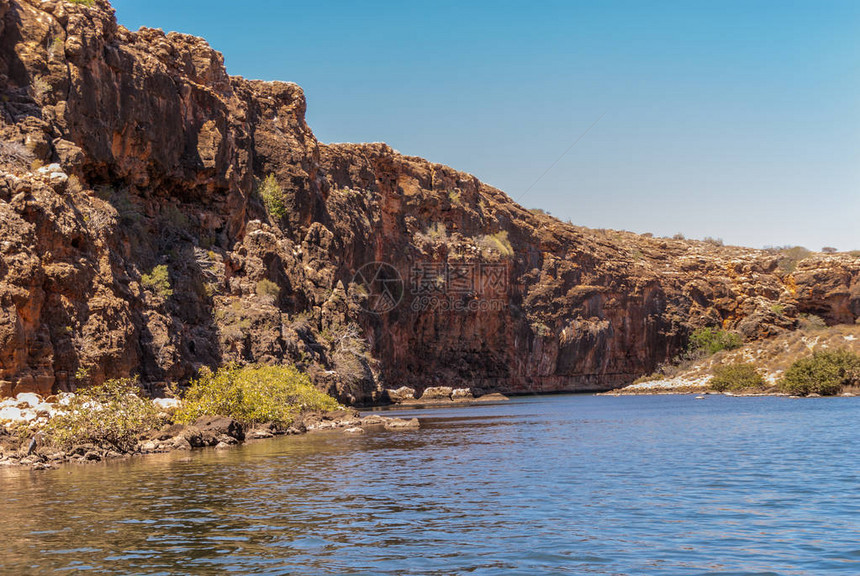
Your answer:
<point x="129" y="153"/>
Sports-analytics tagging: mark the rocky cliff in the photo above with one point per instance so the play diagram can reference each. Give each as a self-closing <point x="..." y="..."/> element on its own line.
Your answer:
<point x="159" y="215"/>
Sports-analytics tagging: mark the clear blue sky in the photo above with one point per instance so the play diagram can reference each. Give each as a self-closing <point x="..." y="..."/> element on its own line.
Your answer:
<point x="732" y="119"/>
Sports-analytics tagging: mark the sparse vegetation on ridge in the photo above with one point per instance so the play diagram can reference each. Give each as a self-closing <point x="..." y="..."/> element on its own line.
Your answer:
<point x="790" y="257"/>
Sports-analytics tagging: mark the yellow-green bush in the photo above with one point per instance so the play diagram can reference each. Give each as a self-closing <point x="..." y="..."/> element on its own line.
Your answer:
<point x="253" y="394"/>
<point x="497" y="242"/>
<point x="110" y="415"/>
<point x="268" y="288"/>
<point x="158" y="281"/>
<point x="736" y="376"/>
<point x="825" y="373"/>
<point x="273" y="197"/>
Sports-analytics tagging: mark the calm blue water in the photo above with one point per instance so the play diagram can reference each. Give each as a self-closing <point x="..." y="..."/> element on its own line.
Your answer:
<point x="552" y="485"/>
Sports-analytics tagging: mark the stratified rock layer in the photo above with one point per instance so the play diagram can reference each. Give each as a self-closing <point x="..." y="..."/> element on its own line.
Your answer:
<point x="159" y="155"/>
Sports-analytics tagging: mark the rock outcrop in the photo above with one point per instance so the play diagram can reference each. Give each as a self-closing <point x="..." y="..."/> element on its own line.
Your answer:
<point x="135" y="176"/>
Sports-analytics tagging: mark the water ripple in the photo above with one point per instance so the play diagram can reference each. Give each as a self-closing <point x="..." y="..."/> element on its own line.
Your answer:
<point x="556" y="485"/>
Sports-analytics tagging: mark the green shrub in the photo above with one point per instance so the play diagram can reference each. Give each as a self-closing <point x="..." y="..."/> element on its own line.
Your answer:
<point x="273" y="197"/>
<point x="268" y="288"/>
<point x="708" y="341"/>
<point x="253" y="394"/>
<point x="824" y="372"/>
<point x="111" y="415"/>
<point x="737" y="376"/>
<point x="158" y="281"/>
<point x="83" y="2"/>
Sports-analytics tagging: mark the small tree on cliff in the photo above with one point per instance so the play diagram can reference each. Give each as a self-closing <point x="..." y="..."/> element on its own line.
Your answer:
<point x="273" y="197"/>
<point x="158" y="282"/>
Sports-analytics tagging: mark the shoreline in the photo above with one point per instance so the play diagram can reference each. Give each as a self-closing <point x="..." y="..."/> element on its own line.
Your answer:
<point x="219" y="432"/>
<point x="688" y="391"/>
<point x="24" y="418"/>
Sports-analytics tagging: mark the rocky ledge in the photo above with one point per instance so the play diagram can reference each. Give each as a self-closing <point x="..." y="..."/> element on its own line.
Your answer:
<point x="439" y="395"/>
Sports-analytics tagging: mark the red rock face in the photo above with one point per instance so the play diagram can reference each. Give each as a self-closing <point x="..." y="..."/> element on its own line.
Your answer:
<point x="161" y="156"/>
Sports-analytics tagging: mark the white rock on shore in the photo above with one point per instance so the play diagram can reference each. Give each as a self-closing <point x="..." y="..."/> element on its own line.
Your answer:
<point x="28" y="407"/>
<point x="30" y="399"/>
<point x="11" y="414"/>
<point x="167" y="404"/>
<point x="401" y="394"/>
<point x="669" y="383"/>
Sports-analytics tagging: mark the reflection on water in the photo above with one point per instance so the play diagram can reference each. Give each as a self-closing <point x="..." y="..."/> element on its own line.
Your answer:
<point x="555" y="485"/>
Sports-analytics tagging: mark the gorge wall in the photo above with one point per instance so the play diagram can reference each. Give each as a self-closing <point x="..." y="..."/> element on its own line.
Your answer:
<point x="136" y="240"/>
